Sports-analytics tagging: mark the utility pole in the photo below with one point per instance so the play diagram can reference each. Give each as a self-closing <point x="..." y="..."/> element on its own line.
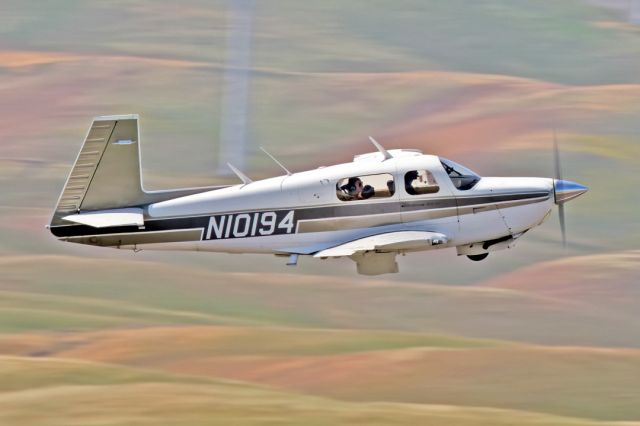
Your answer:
<point x="634" y="12"/>
<point x="234" y="119"/>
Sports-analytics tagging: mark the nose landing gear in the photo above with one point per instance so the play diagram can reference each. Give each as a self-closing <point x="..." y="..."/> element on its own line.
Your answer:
<point x="478" y="257"/>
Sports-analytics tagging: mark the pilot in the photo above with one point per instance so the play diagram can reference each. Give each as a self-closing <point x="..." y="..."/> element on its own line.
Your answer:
<point x="355" y="187"/>
<point x="408" y="182"/>
<point x="356" y="190"/>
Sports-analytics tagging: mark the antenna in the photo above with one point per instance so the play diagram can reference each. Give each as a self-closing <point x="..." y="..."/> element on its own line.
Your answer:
<point x="241" y="175"/>
<point x="277" y="162"/>
<point x="380" y="148"/>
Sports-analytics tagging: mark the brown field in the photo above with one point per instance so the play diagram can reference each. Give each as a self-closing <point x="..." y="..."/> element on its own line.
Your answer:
<point x="128" y="396"/>
<point x="336" y="343"/>
<point x="371" y="366"/>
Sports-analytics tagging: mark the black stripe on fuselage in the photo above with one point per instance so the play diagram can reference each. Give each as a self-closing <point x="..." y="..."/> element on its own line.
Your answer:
<point x="151" y="225"/>
<point x="306" y="213"/>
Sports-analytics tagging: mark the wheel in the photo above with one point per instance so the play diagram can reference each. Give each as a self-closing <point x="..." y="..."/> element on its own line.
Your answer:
<point x="478" y="257"/>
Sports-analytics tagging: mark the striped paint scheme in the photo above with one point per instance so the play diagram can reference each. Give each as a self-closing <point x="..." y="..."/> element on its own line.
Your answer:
<point x="306" y="220"/>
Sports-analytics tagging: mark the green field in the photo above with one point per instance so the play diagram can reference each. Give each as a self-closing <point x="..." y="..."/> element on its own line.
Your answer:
<point x="121" y="396"/>
<point x="543" y="346"/>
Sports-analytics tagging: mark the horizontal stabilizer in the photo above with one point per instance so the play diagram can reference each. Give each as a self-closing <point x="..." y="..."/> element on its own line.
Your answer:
<point x="108" y="218"/>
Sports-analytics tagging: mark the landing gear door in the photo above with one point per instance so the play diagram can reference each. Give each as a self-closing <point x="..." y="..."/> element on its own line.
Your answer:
<point x="426" y="195"/>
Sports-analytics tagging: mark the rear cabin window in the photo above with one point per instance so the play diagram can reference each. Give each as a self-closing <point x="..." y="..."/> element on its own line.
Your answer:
<point x="418" y="182"/>
<point x="357" y="188"/>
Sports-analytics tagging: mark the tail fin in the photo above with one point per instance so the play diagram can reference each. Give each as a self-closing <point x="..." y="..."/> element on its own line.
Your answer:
<point x="107" y="172"/>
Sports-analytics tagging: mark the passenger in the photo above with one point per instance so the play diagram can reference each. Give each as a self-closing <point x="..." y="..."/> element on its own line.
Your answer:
<point x="391" y="186"/>
<point x="367" y="192"/>
<point x="408" y="182"/>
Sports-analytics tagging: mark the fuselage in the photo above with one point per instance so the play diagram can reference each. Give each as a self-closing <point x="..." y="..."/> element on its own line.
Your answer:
<point x="304" y="212"/>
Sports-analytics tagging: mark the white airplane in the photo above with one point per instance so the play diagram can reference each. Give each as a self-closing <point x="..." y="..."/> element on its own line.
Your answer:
<point x="380" y="205"/>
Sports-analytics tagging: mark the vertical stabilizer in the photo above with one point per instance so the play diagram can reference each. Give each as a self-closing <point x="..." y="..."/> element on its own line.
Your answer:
<point x="106" y="173"/>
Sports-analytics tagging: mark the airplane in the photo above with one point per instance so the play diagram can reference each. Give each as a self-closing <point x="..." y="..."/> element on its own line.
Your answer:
<point x="382" y="204"/>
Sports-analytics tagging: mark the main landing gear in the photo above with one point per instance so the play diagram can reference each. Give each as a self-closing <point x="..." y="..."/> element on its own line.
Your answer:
<point x="478" y="257"/>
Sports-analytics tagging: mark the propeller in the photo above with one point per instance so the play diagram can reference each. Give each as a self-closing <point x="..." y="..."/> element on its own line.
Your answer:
<point x="558" y="170"/>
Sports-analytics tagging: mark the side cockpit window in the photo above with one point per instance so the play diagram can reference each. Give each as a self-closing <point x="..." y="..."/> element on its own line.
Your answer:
<point x="356" y="188"/>
<point x="418" y="182"/>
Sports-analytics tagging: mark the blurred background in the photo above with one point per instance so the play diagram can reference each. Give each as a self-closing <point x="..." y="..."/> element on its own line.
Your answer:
<point x="535" y="335"/>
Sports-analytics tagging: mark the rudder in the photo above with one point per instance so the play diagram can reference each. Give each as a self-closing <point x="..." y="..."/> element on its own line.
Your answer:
<point x="106" y="173"/>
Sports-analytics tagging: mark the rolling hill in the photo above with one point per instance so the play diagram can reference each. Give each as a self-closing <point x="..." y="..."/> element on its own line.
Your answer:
<point x="350" y="340"/>
<point x="125" y="396"/>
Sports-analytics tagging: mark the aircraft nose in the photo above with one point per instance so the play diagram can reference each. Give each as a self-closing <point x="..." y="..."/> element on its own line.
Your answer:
<point x="565" y="190"/>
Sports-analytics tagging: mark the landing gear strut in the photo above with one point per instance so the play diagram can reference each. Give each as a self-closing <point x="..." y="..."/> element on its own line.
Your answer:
<point x="478" y="257"/>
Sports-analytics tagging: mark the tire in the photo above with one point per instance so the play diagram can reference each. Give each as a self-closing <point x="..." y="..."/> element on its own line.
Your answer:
<point x="478" y="257"/>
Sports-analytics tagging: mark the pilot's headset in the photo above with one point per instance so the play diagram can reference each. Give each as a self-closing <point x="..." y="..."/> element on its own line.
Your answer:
<point x="350" y="186"/>
<point x="411" y="176"/>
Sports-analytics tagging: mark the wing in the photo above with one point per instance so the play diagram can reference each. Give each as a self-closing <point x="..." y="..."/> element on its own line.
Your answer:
<point x="389" y="242"/>
<point x="376" y="254"/>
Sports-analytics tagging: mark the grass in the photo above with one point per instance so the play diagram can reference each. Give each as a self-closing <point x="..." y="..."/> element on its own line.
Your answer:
<point x="102" y="293"/>
<point x="350" y="341"/>
<point x="135" y="344"/>
<point x="593" y="383"/>
<point x="21" y="374"/>
<point x="534" y="39"/>
<point x="24" y="312"/>
<point x="51" y="392"/>
<point x="558" y="306"/>
<point x="364" y="366"/>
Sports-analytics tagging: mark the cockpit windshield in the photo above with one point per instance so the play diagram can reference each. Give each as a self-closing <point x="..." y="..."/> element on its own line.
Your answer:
<point x="461" y="177"/>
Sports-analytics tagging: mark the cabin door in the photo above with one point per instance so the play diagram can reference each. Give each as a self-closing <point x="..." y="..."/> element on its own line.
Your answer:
<point x="426" y="198"/>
